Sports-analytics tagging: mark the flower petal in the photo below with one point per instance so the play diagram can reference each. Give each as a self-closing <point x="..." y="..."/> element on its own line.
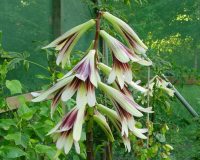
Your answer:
<point x="127" y="143"/>
<point x="91" y="97"/>
<point x="124" y="28"/>
<point x="101" y="121"/>
<point x="122" y="99"/>
<point x="108" y="70"/>
<point x="61" y="141"/>
<point x="55" y="128"/>
<point x="55" y="100"/>
<point x="117" y="47"/>
<point x="112" y="77"/>
<point x="55" y="87"/>
<point x="70" y="90"/>
<point x="139" y="133"/>
<point x="68" y="143"/>
<point x="81" y="97"/>
<point x="77" y="129"/>
<point x="84" y="26"/>
<point x="77" y="147"/>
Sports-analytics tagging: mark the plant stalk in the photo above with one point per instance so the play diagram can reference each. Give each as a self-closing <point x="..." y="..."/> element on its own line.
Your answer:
<point x="148" y="105"/>
<point x="89" y="133"/>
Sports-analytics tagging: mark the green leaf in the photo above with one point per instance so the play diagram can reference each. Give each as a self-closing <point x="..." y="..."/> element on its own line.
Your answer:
<point x="11" y="152"/>
<point x="47" y="150"/>
<point x="14" y="86"/>
<point x="25" y="112"/>
<point x="26" y="64"/>
<point x="42" y="128"/>
<point x="6" y="123"/>
<point x="18" y="138"/>
<point x="75" y="157"/>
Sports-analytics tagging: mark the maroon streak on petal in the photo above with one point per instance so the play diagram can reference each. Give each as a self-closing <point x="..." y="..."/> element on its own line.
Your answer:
<point x="69" y="120"/>
<point x="122" y="113"/>
<point x="89" y="85"/>
<point x="56" y="98"/>
<point x="75" y="83"/>
<point x="83" y="71"/>
<point x="131" y="40"/>
<point x="67" y="45"/>
<point x="120" y="65"/>
<point x="134" y="43"/>
<point x="125" y="90"/>
<point x="69" y="41"/>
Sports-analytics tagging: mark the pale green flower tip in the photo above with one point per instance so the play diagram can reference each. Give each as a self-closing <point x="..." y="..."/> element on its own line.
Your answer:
<point x="34" y="100"/>
<point x="80" y="28"/>
<point x="104" y="68"/>
<point x="108" y="16"/>
<point x="100" y="119"/>
<point x="150" y="63"/>
<point x="102" y="33"/>
<point x="37" y="99"/>
<point x="92" y="21"/>
<point x="45" y="47"/>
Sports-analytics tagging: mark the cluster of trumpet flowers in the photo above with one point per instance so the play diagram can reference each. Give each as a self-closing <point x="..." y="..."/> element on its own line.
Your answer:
<point x="83" y="80"/>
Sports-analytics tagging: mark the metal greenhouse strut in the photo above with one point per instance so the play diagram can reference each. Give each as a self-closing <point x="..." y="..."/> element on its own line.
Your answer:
<point x="181" y="98"/>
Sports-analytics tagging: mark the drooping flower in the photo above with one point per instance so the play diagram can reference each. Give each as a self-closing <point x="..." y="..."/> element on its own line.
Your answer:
<point x="81" y="79"/>
<point x="120" y="71"/>
<point x="123" y="101"/>
<point x="158" y="82"/>
<point x="107" y="70"/>
<point x="102" y="122"/>
<point x="68" y="131"/>
<point x="65" y="43"/>
<point x="123" y="123"/>
<point x="121" y="52"/>
<point x="127" y="143"/>
<point x="127" y="32"/>
<point x="162" y="84"/>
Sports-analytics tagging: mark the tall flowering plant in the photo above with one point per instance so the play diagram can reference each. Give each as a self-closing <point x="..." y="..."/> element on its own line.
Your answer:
<point x="83" y="80"/>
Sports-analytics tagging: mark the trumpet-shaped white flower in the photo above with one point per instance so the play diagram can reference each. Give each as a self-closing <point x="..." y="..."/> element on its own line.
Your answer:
<point x="127" y="32"/>
<point x="68" y="131"/>
<point x="120" y="71"/>
<point x="107" y="70"/>
<point x="124" y="101"/>
<point x="123" y="122"/>
<point x="81" y="79"/>
<point x="121" y="52"/>
<point x="65" y="43"/>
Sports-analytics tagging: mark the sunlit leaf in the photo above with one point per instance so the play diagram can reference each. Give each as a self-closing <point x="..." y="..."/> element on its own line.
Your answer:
<point x="14" y="86"/>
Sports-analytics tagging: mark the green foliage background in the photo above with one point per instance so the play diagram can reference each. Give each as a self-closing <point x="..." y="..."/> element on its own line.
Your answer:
<point x="170" y="28"/>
